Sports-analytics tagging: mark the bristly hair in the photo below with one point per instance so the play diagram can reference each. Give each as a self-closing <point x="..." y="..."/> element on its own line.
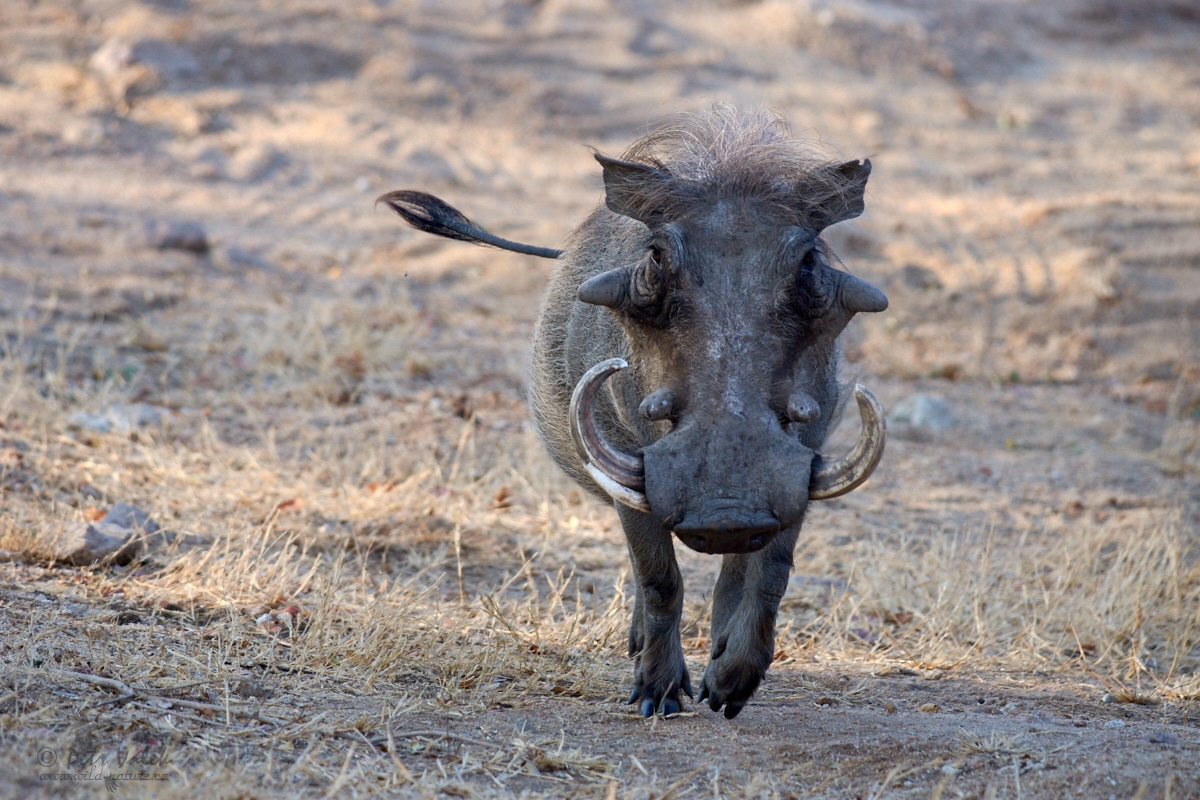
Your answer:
<point x="727" y="154"/>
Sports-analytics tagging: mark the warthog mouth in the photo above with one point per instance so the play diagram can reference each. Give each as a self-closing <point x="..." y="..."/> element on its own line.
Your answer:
<point x="623" y="475"/>
<point x="727" y="527"/>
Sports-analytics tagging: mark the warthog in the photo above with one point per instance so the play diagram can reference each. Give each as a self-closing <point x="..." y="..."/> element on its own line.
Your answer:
<point x="703" y="300"/>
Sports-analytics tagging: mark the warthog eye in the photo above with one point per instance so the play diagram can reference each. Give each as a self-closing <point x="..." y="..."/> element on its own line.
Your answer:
<point x="812" y="295"/>
<point x="649" y="284"/>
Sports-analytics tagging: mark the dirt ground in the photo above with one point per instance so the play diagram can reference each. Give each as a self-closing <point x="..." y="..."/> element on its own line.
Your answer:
<point x="370" y="580"/>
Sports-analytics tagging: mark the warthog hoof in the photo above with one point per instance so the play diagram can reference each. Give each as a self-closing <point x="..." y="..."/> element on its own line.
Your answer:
<point x="660" y="693"/>
<point x="730" y="684"/>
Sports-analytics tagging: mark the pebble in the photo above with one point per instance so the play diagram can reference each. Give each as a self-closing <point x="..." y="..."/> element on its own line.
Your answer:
<point x="1162" y="737"/>
<point x="111" y="58"/>
<point x="83" y="544"/>
<point x="128" y="516"/>
<point x="1115" y="723"/>
<point x="174" y="234"/>
<point x="920" y="278"/>
<point x="119" y="417"/>
<point x="923" y="411"/>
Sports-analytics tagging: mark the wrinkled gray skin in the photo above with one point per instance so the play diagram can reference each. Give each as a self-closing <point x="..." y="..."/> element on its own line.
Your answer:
<point x="730" y="312"/>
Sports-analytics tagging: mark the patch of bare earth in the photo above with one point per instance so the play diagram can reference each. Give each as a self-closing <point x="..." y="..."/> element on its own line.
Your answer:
<point x="368" y="580"/>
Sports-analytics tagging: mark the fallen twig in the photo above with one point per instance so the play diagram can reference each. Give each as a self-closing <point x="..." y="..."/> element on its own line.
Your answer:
<point x="434" y="734"/>
<point x="96" y="680"/>
<point x="130" y="693"/>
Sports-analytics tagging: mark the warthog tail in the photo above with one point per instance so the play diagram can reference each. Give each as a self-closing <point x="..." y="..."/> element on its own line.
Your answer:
<point x="427" y="213"/>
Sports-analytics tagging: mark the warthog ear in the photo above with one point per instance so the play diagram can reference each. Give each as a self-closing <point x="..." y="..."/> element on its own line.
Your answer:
<point x="840" y="194"/>
<point x="633" y="190"/>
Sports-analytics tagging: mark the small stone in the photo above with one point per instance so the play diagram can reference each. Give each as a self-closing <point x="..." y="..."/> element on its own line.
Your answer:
<point x="1115" y="723"/>
<point x="111" y="58"/>
<point x="827" y="701"/>
<point x="920" y="278"/>
<point x="1161" y="371"/>
<point x="1162" y="737"/>
<point x="7" y="556"/>
<point x="119" y="417"/>
<point x="187" y="235"/>
<point x="1107" y="699"/>
<point x="923" y="411"/>
<point x="124" y="515"/>
<point x="83" y="544"/>
<point x="134" y="415"/>
<point x="90" y="421"/>
<point x="889" y="707"/>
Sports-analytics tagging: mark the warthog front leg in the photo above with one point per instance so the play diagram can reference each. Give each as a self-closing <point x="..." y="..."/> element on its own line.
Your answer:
<point x="745" y="604"/>
<point x="661" y="672"/>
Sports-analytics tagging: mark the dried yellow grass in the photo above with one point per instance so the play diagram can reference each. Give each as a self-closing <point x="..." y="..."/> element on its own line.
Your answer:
<point x="438" y="568"/>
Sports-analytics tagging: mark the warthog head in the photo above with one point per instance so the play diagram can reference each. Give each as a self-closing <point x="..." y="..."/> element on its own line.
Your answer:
<point x="732" y="312"/>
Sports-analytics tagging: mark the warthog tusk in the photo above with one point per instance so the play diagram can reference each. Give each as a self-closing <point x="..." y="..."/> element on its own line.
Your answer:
<point x="835" y="478"/>
<point x="620" y="474"/>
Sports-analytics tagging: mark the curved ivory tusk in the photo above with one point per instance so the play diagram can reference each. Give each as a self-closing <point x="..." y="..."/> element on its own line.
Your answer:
<point x="620" y="474"/>
<point x="835" y="478"/>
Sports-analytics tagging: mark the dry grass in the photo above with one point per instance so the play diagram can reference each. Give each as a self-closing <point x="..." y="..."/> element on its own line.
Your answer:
<point x="1125" y="608"/>
<point x="336" y="607"/>
<point x="370" y="581"/>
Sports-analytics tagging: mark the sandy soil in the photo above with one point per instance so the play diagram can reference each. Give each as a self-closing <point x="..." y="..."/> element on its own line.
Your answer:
<point x="328" y="375"/>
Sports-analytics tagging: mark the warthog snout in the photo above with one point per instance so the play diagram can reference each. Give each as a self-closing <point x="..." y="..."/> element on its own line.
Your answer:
<point x="722" y="483"/>
<point x="725" y="487"/>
